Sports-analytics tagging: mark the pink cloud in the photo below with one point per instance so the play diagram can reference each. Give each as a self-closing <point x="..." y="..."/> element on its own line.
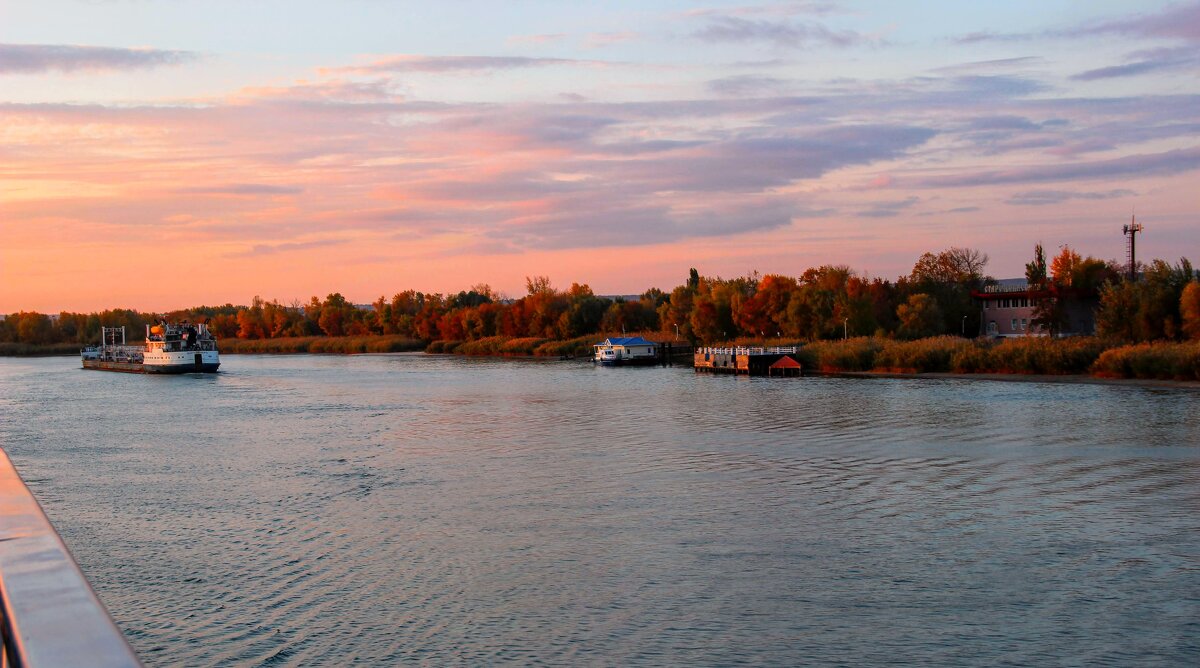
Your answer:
<point x="329" y="171"/>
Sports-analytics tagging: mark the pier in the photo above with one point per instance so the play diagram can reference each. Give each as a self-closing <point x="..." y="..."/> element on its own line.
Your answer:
<point x="49" y="615"/>
<point x="777" y="361"/>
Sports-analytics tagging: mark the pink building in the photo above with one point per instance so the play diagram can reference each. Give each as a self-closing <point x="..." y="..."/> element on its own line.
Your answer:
<point x="1006" y="309"/>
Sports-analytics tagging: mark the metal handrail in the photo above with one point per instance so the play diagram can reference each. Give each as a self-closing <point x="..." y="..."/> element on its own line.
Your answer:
<point x="747" y="350"/>
<point x="49" y="615"/>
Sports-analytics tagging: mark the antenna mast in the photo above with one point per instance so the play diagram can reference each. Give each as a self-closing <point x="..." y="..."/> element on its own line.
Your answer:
<point x="1130" y="232"/>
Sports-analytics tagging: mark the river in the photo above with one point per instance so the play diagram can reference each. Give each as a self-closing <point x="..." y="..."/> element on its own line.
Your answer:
<point x="384" y="509"/>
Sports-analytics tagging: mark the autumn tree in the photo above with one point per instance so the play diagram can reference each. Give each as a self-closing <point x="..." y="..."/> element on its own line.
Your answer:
<point x="948" y="278"/>
<point x="675" y="315"/>
<point x="766" y="312"/>
<point x="1189" y="310"/>
<point x="583" y="314"/>
<point x="919" y="316"/>
<point x="337" y="315"/>
<point x="1149" y="309"/>
<point x="1049" y="309"/>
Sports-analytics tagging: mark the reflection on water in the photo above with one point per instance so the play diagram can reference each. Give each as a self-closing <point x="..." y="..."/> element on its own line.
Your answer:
<point x="383" y="509"/>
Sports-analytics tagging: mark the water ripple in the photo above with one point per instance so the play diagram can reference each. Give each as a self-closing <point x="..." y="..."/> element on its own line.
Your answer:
<point x="386" y="509"/>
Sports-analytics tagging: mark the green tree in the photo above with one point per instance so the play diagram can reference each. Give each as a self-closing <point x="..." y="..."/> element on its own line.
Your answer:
<point x="1035" y="271"/>
<point x="919" y="316"/>
<point x="1149" y="309"/>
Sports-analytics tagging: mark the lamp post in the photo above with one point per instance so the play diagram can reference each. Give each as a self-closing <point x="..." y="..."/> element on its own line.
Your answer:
<point x="676" y="330"/>
<point x="964" y="326"/>
<point x="845" y="329"/>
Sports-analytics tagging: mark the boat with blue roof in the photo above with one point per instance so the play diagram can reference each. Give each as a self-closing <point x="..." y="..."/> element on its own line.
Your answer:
<point x="626" y="351"/>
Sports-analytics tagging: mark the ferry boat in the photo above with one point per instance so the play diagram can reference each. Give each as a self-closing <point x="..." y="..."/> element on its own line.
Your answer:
<point x="169" y="348"/>
<point x="625" y="351"/>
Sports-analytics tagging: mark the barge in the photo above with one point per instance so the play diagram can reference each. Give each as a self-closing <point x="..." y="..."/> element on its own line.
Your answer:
<point x="169" y="348"/>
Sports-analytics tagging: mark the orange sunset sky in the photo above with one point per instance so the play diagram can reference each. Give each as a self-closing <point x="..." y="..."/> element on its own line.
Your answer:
<point x="160" y="155"/>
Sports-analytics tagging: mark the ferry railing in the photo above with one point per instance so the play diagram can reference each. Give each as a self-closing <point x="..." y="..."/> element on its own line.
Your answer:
<point x="49" y="615"/>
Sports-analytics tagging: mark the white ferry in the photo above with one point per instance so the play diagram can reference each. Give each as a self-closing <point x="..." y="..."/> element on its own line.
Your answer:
<point x="625" y="350"/>
<point x="169" y="348"/>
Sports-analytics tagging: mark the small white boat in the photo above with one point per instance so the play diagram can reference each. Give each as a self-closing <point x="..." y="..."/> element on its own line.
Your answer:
<point x="626" y="351"/>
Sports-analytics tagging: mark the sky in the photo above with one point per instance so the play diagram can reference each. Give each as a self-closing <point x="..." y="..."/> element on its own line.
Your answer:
<point x="166" y="154"/>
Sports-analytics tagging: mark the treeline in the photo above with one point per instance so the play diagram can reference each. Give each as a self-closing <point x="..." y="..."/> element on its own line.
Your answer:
<point x="822" y="303"/>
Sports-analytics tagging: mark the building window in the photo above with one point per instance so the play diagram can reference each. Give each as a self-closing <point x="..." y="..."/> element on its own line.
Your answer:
<point x="1022" y="324"/>
<point x="1014" y="324"/>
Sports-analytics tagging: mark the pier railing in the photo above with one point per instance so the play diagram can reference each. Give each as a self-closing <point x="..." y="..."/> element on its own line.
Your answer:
<point x="743" y="350"/>
<point x="49" y="615"/>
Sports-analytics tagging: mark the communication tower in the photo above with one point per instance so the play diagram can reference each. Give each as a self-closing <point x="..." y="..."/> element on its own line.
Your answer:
<point x="1131" y="231"/>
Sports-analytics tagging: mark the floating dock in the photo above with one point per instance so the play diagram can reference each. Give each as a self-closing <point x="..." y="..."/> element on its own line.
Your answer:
<point x="778" y="362"/>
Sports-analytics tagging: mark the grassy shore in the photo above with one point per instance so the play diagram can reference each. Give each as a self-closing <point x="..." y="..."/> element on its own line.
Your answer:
<point x="38" y="350"/>
<point x="322" y="344"/>
<point x="505" y="346"/>
<point x="1033" y="355"/>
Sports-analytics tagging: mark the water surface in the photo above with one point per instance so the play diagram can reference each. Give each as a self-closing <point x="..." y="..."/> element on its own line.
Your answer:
<point x="384" y="509"/>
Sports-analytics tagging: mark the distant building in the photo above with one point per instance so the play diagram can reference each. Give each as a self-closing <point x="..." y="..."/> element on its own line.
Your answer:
<point x="1007" y="309"/>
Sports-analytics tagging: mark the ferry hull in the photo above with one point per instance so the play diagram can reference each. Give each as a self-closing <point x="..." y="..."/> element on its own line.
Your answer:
<point x="134" y="367"/>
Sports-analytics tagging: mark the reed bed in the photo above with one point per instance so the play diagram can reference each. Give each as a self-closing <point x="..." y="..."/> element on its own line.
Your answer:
<point x="1040" y="355"/>
<point x="1027" y="355"/>
<point x="1162" y="361"/>
<point x="857" y="354"/>
<point x="322" y="344"/>
<point x="9" y="349"/>
<point x="507" y="346"/>
<point x="496" y="346"/>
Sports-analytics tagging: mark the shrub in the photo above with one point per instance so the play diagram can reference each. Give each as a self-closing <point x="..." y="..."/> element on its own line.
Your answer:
<point x="486" y="346"/>
<point x="1045" y="355"/>
<point x="577" y="347"/>
<point x="920" y="356"/>
<point x="522" y="346"/>
<point x="975" y="358"/>
<point x="446" y="347"/>
<point x="1167" y="361"/>
<point x="857" y="354"/>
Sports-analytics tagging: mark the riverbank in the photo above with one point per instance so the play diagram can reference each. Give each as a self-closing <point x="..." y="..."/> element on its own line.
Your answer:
<point x="1009" y="359"/>
<point x="345" y="345"/>
<point x="8" y="349"/>
<point x="1080" y="356"/>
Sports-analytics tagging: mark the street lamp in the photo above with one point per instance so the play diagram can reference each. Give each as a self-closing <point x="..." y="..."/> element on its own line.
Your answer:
<point x="964" y="326"/>
<point x="676" y="330"/>
<point x="845" y="329"/>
